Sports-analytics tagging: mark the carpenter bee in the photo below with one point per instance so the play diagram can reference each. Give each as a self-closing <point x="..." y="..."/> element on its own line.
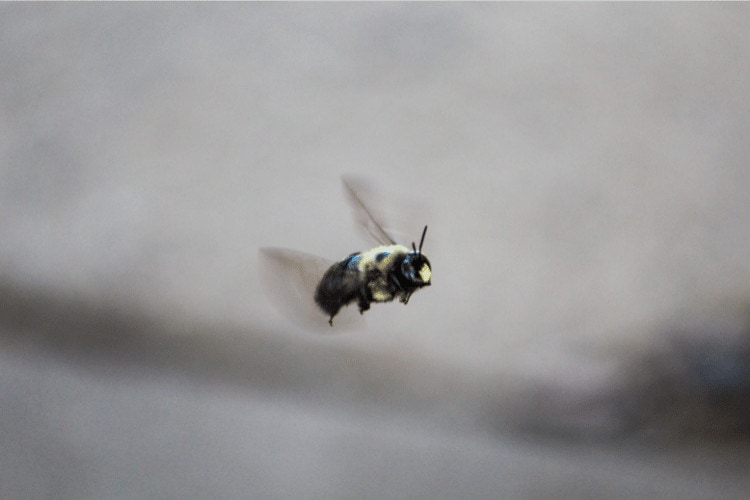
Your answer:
<point x="384" y="273"/>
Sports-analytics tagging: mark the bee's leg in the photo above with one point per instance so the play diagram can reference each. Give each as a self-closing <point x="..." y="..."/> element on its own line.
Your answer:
<point x="364" y="300"/>
<point x="333" y="314"/>
<point x="396" y="282"/>
<point x="404" y="295"/>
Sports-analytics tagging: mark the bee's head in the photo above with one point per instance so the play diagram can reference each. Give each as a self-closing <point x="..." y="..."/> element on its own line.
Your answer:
<point x="415" y="267"/>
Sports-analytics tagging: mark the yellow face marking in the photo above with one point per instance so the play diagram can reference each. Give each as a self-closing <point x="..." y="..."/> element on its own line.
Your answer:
<point x="425" y="274"/>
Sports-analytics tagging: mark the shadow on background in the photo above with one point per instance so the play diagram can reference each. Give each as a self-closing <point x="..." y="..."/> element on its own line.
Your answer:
<point x="696" y="384"/>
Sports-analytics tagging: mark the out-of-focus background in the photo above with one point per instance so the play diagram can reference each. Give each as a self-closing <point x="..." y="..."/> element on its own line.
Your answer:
<point x="584" y="172"/>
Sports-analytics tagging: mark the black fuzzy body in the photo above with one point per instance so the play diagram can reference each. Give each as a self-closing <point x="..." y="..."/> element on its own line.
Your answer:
<point x="341" y="285"/>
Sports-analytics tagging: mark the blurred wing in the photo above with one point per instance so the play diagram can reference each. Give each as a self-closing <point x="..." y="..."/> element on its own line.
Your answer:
<point x="357" y="191"/>
<point x="290" y="278"/>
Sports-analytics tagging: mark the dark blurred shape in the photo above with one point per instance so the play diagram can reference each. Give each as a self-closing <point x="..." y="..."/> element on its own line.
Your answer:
<point x="697" y="384"/>
<point x="692" y="383"/>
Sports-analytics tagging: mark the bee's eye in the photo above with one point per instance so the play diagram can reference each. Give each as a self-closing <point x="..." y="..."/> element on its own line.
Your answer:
<point x="408" y="270"/>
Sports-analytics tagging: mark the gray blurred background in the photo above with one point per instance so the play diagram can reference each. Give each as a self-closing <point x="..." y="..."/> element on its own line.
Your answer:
<point x="584" y="172"/>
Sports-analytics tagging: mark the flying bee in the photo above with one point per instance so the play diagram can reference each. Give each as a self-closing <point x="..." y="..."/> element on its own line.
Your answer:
<point x="384" y="273"/>
<point x="379" y="275"/>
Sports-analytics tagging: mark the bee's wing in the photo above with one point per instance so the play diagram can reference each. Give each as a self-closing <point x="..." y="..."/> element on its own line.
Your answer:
<point x="290" y="277"/>
<point x="357" y="192"/>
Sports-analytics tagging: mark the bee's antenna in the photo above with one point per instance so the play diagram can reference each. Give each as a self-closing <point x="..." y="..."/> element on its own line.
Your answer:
<point x="421" y="241"/>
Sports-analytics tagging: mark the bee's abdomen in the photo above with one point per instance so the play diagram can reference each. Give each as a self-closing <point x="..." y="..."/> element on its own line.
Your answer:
<point x="339" y="285"/>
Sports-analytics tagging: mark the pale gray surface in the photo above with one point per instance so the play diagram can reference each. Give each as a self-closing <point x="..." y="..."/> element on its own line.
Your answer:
<point x="584" y="172"/>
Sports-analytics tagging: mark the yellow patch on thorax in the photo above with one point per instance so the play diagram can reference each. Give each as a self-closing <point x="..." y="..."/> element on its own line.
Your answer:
<point x="370" y="257"/>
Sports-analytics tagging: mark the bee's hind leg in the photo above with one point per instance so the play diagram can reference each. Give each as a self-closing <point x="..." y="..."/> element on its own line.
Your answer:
<point x="363" y="306"/>
<point x="364" y="301"/>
